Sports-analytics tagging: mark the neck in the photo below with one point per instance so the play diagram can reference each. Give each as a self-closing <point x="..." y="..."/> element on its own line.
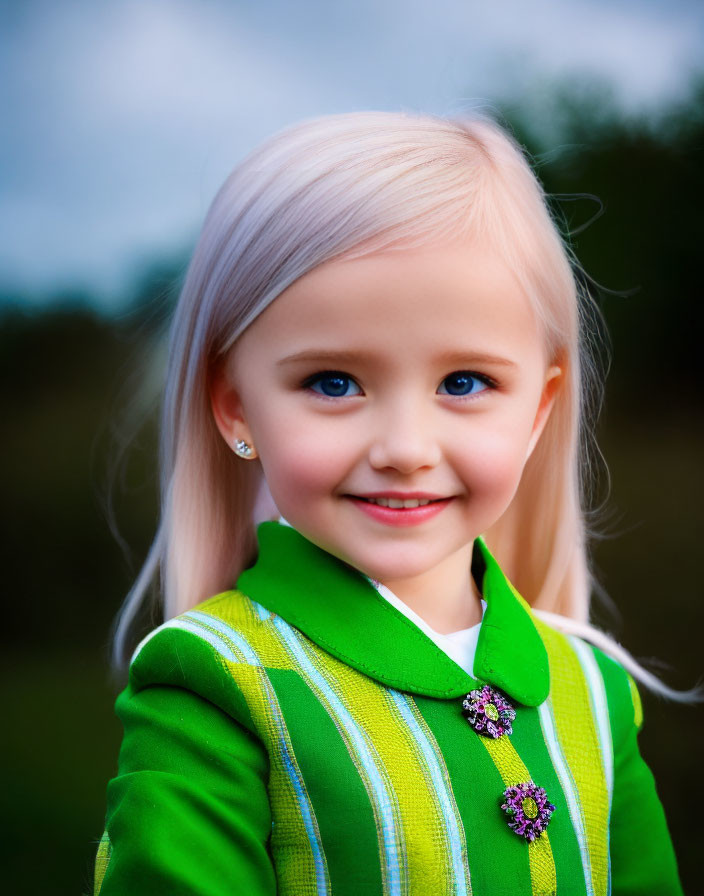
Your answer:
<point x="445" y="597"/>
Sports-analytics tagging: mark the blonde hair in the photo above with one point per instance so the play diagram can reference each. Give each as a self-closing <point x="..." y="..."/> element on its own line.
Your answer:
<point x="349" y="185"/>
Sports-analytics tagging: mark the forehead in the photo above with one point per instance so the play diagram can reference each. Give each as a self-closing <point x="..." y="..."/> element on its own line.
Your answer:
<point x="457" y="296"/>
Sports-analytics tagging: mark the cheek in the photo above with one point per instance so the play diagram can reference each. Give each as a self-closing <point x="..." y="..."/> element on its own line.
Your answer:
<point x="304" y="464"/>
<point x="492" y="466"/>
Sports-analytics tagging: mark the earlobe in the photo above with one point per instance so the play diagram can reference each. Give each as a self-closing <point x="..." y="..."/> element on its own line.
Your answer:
<point x="553" y="380"/>
<point x="229" y="415"/>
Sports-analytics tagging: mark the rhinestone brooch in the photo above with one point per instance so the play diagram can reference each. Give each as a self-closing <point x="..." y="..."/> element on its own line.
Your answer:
<point x="489" y="712"/>
<point x="528" y="810"/>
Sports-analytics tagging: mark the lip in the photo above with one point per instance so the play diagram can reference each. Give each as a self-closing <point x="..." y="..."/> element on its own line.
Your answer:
<point x="400" y="516"/>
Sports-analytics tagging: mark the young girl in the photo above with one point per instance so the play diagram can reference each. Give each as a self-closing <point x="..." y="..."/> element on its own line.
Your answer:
<point x="380" y="356"/>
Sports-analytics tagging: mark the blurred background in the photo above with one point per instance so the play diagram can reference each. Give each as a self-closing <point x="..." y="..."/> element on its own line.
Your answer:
<point x="121" y="121"/>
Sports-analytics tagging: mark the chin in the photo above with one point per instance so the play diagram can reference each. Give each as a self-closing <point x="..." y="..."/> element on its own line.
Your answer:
<point x="385" y="569"/>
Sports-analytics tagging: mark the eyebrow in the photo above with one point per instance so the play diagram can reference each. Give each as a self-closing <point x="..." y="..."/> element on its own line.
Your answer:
<point x="343" y="356"/>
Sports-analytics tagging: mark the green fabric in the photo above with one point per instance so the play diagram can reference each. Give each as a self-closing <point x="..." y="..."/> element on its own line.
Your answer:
<point x="644" y="859"/>
<point x="527" y="738"/>
<point x="510" y="652"/>
<point x="342" y="807"/>
<point x="191" y="809"/>
<point x="188" y="813"/>
<point x="479" y="805"/>
<point x="477" y="786"/>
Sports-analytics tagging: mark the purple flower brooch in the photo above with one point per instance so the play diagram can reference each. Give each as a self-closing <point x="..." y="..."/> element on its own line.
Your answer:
<point x="528" y="809"/>
<point x="488" y="712"/>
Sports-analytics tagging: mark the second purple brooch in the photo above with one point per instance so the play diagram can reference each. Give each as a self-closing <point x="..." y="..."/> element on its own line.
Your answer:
<point x="488" y="712"/>
<point x="528" y="809"/>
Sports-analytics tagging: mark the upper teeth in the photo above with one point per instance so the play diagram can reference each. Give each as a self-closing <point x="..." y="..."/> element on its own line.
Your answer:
<point x="395" y="502"/>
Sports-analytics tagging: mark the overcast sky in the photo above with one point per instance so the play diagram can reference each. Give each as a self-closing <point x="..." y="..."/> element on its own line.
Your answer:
<point x="121" y="119"/>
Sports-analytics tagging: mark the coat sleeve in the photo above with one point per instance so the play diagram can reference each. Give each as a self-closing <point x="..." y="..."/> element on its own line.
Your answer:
<point x="643" y="860"/>
<point x="188" y="812"/>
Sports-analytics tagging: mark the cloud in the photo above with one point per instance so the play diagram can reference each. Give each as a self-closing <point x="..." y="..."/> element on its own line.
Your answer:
<point x="126" y="117"/>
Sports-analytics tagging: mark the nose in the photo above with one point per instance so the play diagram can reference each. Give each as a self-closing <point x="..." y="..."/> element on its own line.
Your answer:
<point x="403" y="440"/>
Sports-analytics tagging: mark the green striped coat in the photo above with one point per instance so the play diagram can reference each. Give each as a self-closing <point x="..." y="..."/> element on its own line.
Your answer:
<point x="302" y="736"/>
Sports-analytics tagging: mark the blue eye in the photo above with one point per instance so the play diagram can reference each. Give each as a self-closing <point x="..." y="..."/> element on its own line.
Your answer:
<point x="462" y="382"/>
<point x="333" y="384"/>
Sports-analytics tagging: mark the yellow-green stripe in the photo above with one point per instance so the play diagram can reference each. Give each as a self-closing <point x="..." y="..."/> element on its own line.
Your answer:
<point x="101" y="862"/>
<point x="637" y="705"/>
<point x="578" y="737"/>
<point x="513" y="771"/>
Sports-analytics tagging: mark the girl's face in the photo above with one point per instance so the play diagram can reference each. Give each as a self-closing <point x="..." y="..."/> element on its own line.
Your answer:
<point x="415" y="376"/>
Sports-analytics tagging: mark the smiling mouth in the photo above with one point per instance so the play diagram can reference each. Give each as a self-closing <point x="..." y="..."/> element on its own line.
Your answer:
<point x="398" y="503"/>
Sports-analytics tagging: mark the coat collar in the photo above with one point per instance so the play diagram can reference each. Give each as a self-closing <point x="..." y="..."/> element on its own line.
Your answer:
<point x="341" y="611"/>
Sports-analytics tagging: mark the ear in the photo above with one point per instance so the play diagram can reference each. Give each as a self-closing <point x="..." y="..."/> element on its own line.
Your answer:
<point x="553" y="380"/>
<point x="227" y="408"/>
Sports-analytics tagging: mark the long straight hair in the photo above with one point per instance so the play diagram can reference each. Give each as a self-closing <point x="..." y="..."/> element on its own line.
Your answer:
<point x="345" y="186"/>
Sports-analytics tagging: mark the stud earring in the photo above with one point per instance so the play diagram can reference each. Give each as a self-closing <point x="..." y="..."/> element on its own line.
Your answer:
<point x="242" y="449"/>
